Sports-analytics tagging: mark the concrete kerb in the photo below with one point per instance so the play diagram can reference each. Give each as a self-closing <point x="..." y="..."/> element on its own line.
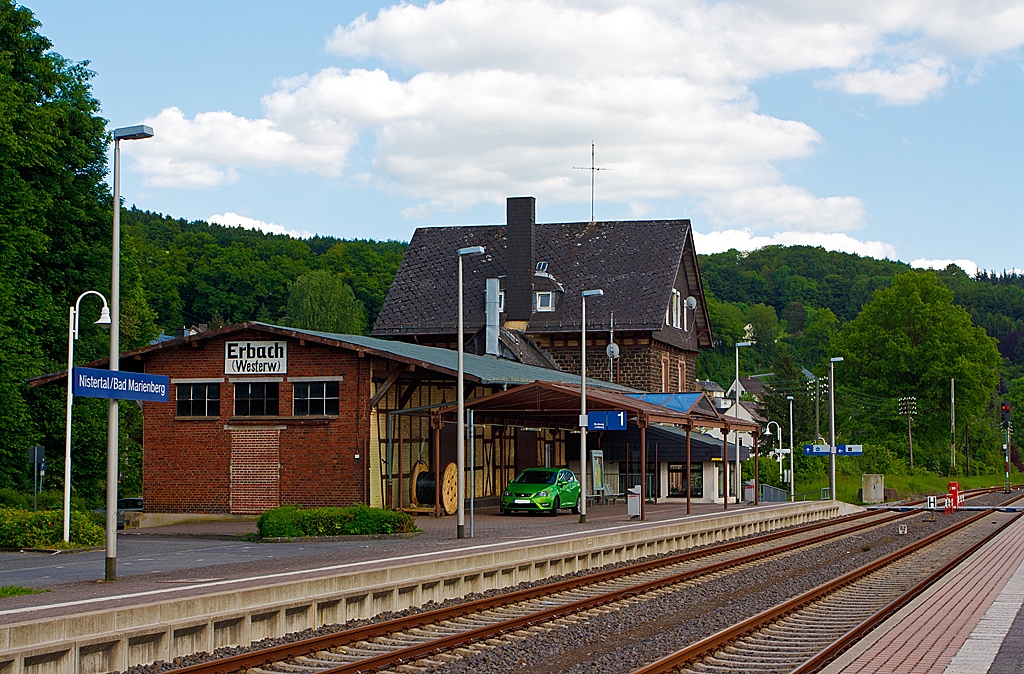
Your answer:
<point x="115" y="639"/>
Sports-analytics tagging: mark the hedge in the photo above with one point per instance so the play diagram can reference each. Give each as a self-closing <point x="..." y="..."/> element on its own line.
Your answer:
<point x="291" y="521"/>
<point x="45" y="529"/>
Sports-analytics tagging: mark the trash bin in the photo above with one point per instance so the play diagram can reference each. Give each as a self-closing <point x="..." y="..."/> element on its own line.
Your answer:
<point x="633" y="501"/>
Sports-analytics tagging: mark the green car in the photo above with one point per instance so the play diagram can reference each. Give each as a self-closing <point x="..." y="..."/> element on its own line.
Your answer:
<point x="543" y="490"/>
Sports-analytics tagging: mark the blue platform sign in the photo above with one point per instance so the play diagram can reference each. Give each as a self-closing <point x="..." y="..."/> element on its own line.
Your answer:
<point x="816" y="450"/>
<point x="92" y="383"/>
<point x="850" y="450"/>
<point x="606" y="421"/>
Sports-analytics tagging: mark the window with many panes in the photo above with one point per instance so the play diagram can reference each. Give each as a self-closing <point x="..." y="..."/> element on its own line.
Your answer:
<point x="198" y="400"/>
<point x="256" y="399"/>
<point x="315" y="398"/>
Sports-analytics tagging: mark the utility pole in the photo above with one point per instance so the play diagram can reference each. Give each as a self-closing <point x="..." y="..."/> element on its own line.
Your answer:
<point x="952" y="426"/>
<point x="1004" y="411"/>
<point x="908" y="406"/>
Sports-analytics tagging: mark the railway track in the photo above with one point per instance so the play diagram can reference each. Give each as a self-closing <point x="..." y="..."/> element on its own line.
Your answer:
<point x="805" y="633"/>
<point x="431" y="638"/>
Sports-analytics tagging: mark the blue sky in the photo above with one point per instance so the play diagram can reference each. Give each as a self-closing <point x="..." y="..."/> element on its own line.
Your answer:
<point x="885" y="128"/>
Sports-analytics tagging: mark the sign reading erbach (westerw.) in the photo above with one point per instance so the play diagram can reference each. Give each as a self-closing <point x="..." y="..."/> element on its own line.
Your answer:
<point x="89" y="382"/>
<point x="255" y="357"/>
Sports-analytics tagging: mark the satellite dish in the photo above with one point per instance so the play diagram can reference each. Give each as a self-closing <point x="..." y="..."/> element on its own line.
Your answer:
<point x="612" y="350"/>
<point x="691" y="302"/>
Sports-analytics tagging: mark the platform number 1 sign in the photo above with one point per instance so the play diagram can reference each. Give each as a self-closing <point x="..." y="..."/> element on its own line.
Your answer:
<point x="606" y="421"/>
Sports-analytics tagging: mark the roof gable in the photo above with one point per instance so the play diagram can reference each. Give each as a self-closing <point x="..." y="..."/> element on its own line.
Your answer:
<point x="635" y="262"/>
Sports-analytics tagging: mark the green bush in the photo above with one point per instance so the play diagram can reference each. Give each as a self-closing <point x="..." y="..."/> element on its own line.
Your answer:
<point x="290" y="521"/>
<point x="21" y="528"/>
<point x="279" y="522"/>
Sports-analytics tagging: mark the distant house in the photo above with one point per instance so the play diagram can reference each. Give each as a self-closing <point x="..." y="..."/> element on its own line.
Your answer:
<point x="752" y="386"/>
<point x="653" y="305"/>
<point x="714" y="391"/>
<point x="748" y="411"/>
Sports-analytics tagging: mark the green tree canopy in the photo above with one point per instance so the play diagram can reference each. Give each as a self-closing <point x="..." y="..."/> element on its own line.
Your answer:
<point x="911" y="340"/>
<point x="321" y="301"/>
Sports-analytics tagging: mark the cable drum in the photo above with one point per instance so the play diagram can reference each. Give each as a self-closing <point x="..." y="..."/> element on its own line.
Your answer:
<point x="424" y="485"/>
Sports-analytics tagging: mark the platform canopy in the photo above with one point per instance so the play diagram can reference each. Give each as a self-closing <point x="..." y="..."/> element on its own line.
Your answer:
<point x="557" y="405"/>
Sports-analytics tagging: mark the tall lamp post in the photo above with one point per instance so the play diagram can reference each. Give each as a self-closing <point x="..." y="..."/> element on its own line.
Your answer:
<point x="124" y="133"/>
<point x="832" y="425"/>
<point x="73" y="315"/>
<point x="736" y="413"/>
<point x="460" y="446"/>
<point x="583" y="400"/>
<point x="792" y="473"/>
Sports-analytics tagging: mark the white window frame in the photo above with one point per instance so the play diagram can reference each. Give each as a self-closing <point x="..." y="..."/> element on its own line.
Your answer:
<point x="676" y="308"/>
<point x="501" y="301"/>
<point x="551" y="300"/>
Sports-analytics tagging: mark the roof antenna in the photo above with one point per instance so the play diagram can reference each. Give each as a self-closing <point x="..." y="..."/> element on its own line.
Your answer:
<point x="593" y="168"/>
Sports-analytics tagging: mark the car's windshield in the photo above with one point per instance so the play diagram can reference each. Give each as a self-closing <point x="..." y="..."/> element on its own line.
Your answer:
<point x="537" y="477"/>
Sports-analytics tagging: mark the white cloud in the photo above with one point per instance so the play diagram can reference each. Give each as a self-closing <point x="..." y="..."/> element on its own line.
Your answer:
<point x="744" y="240"/>
<point x="504" y="96"/>
<point x="230" y="219"/>
<point x="908" y="84"/>
<point x="968" y="266"/>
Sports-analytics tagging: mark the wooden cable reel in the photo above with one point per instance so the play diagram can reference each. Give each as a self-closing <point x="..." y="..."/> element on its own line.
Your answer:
<point x="421" y="487"/>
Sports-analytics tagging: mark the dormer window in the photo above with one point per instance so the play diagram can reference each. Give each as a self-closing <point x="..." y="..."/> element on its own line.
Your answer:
<point x="544" y="301"/>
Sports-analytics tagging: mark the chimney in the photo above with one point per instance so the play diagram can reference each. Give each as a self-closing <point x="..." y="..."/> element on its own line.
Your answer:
<point x="519" y="218"/>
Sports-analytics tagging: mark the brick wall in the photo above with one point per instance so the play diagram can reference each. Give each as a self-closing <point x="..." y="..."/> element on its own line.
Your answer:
<point x="640" y="362"/>
<point x="226" y="464"/>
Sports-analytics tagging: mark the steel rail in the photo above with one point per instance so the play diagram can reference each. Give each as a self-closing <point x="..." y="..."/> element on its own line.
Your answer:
<point x="266" y="656"/>
<point x="719" y="640"/>
<point x="837" y="647"/>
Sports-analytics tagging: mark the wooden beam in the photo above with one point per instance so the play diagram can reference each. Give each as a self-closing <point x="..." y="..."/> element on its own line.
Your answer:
<point x="392" y="378"/>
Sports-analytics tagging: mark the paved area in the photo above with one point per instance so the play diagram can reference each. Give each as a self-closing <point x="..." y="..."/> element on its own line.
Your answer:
<point x="959" y="625"/>
<point x="184" y="559"/>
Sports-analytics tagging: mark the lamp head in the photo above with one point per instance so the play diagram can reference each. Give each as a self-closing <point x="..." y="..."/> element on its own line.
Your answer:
<point x="593" y="293"/>
<point x="838" y="359"/>
<point x="472" y="250"/>
<point x="133" y="132"/>
<point x="739" y="344"/>
<point x="789" y="397"/>
<point x="104" y="319"/>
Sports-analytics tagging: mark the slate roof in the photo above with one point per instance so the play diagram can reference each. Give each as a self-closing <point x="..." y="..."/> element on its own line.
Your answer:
<point x="634" y="262"/>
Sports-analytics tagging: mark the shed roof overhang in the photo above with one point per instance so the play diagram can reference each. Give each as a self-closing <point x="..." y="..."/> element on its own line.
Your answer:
<point x="556" y="405"/>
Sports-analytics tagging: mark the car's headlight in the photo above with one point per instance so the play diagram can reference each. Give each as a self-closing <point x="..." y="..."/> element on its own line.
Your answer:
<point x="543" y="493"/>
<point x="507" y="493"/>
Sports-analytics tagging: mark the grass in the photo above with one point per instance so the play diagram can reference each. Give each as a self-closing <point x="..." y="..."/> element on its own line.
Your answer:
<point x="16" y="590"/>
<point x="908" y="485"/>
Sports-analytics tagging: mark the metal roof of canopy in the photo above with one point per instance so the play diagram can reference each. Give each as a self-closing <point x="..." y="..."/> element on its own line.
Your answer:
<point x="557" y="405"/>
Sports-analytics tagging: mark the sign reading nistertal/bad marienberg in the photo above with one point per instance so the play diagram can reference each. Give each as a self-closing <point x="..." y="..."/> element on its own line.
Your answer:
<point x="255" y="357"/>
<point x="88" y="382"/>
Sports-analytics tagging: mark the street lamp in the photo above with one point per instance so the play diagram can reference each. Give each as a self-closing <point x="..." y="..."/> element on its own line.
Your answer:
<point x="832" y="425"/>
<point x="792" y="474"/>
<point x="124" y="133"/>
<point x="104" y="320"/>
<point x="460" y="446"/>
<point x="583" y="401"/>
<point x="736" y="413"/>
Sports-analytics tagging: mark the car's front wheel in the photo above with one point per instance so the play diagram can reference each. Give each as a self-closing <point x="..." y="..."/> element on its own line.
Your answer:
<point x="576" y="508"/>
<point x="554" y="508"/>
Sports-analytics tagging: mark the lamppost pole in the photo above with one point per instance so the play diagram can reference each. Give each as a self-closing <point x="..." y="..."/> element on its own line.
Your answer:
<point x="583" y="400"/>
<point x="792" y="474"/>
<point x="73" y="313"/>
<point x="460" y="443"/>
<point x="126" y="133"/>
<point x="832" y="425"/>
<point x="736" y="413"/>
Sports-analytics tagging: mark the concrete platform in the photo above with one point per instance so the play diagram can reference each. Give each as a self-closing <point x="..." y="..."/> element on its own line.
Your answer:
<point x="970" y="622"/>
<point x="85" y="628"/>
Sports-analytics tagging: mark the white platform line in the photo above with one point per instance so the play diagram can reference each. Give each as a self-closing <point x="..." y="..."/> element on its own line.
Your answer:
<point x="980" y="650"/>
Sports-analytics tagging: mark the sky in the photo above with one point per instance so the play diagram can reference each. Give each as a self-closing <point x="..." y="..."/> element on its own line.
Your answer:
<point x="889" y="128"/>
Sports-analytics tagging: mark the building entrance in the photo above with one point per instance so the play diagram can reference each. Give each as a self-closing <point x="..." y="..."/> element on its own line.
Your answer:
<point x="677" y="479"/>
